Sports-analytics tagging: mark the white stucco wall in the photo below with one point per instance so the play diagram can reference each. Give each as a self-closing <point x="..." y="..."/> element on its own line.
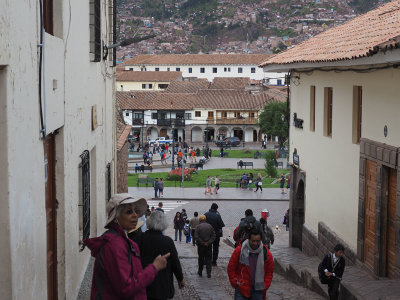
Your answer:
<point x="137" y="86"/>
<point x="222" y="71"/>
<point x="332" y="163"/>
<point x="78" y="85"/>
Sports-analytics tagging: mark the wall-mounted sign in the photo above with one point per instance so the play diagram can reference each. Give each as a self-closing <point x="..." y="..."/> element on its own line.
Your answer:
<point x="296" y="160"/>
<point x="298" y="123"/>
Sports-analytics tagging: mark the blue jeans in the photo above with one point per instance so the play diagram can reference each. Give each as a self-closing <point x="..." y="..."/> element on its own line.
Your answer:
<point x="254" y="295"/>
<point x="155" y="193"/>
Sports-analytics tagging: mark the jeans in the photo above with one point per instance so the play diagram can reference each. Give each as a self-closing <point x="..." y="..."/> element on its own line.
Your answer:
<point x="254" y="295"/>
<point x="215" y="250"/>
<point x="180" y="234"/>
<point x="204" y="253"/>
<point x="155" y="193"/>
<point x="259" y="187"/>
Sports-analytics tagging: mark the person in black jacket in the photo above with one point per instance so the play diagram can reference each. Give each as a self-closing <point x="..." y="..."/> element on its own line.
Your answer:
<point x="153" y="243"/>
<point x="332" y="267"/>
<point x="215" y="220"/>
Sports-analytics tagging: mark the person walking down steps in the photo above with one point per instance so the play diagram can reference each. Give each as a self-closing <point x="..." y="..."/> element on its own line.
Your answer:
<point x="205" y="236"/>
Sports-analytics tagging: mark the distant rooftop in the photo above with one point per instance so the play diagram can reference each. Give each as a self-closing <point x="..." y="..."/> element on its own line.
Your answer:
<point x="198" y="59"/>
<point x="155" y="76"/>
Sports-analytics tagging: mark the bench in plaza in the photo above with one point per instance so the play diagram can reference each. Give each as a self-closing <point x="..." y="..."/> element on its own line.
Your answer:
<point x="143" y="168"/>
<point x="245" y="164"/>
<point x="226" y="154"/>
<point x="196" y="166"/>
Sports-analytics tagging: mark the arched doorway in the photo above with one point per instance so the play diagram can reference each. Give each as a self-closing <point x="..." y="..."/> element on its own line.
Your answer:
<point x="197" y="134"/>
<point x="254" y="135"/>
<point x="163" y="132"/>
<point x="238" y="132"/>
<point x="222" y="133"/>
<point x="209" y="133"/>
<point x="297" y="216"/>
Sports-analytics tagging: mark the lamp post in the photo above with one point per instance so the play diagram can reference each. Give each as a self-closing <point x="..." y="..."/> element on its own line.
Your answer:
<point x="244" y="131"/>
<point x="173" y="148"/>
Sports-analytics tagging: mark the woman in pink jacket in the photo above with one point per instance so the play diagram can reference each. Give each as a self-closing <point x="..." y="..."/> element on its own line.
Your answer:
<point x="118" y="272"/>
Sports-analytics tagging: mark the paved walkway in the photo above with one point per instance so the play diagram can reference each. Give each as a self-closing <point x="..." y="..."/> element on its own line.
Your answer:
<point x="231" y="194"/>
<point x="357" y="284"/>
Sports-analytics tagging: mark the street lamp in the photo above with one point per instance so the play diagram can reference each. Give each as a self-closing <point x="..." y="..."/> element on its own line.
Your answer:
<point x="244" y="129"/>
<point x="173" y="148"/>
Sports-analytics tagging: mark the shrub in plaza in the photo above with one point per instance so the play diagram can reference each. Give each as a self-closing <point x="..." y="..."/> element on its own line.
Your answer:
<point x="270" y="164"/>
<point x="177" y="174"/>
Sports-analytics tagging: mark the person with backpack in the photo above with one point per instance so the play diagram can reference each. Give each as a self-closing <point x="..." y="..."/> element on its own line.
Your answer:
<point x="215" y="220"/>
<point x="250" y="268"/>
<point x="246" y="225"/>
<point x="331" y="269"/>
<point x="269" y="234"/>
<point x="286" y="220"/>
<point x="187" y="231"/>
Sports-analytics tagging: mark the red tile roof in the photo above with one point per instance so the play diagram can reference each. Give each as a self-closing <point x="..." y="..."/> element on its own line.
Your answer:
<point x="236" y="83"/>
<point x="191" y="86"/>
<point x="155" y="76"/>
<point x="203" y="99"/>
<point x="122" y="130"/>
<point x="361" y="37"/>
<point x="198" y="59"/>
<point x="233" y="99"/>
<point x="136" y="100"/>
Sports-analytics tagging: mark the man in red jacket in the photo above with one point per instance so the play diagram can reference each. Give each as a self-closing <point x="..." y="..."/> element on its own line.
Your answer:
<point x="251" y="268"/>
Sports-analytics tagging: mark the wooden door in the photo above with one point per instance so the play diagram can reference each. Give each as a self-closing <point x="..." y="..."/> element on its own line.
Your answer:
<point x="390" y="228"/>
<point x="370" y="214"/>
<point x="51" y="224"/>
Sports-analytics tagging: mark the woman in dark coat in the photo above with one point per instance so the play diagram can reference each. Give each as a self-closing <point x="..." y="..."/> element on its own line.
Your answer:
<point x="179" y="223"/>
<point x="153" y="243"/>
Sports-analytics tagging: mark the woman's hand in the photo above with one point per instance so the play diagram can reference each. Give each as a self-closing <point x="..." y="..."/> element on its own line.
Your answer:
<point x="161" y="261"/>
<point x="181" y="284"/>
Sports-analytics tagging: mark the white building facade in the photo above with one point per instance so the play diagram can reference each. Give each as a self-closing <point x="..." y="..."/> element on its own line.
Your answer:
<point x="344" y="142"/>
<point x="208" y="66"/>
<point x="57" y="146"/>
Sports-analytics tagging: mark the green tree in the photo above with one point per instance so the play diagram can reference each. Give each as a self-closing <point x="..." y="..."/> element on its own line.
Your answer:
<point x="273" y="120"/>
<point x="270" y="164"/>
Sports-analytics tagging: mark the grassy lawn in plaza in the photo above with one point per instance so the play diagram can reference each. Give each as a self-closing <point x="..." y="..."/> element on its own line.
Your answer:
<point x="240" y="153"/>
<point x="227" y="177"/>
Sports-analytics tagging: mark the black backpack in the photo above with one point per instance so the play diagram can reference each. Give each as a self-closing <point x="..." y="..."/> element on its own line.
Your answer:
<point x="248" y="227"/>
<point x="321" y="274"/>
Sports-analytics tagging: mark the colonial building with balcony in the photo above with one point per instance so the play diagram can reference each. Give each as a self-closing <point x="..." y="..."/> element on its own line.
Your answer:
<point x="206" y="113"/>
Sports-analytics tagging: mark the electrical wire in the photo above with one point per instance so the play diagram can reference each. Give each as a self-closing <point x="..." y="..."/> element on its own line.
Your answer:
<point x="42" y="126"/>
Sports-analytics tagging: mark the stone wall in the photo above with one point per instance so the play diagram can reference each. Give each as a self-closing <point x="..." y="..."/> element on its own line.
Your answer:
<point x="122" y="169"/>
<point x="323" y="242"/>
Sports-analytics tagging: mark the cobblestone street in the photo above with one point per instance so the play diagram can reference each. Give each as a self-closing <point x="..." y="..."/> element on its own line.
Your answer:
<point x="218" y="287"/>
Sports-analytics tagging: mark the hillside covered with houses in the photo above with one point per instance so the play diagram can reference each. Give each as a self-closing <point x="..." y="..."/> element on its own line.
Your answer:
<point x="229" y="26"/>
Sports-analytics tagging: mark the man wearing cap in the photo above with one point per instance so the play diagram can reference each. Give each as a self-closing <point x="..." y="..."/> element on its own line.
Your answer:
<point x="215" y="220"/>
<point x="118" y="272"/>
<point x="204" y="236"/>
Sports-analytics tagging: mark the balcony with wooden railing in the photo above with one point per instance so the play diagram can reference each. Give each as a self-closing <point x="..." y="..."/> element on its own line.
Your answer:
<point x="236" y="121"/>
